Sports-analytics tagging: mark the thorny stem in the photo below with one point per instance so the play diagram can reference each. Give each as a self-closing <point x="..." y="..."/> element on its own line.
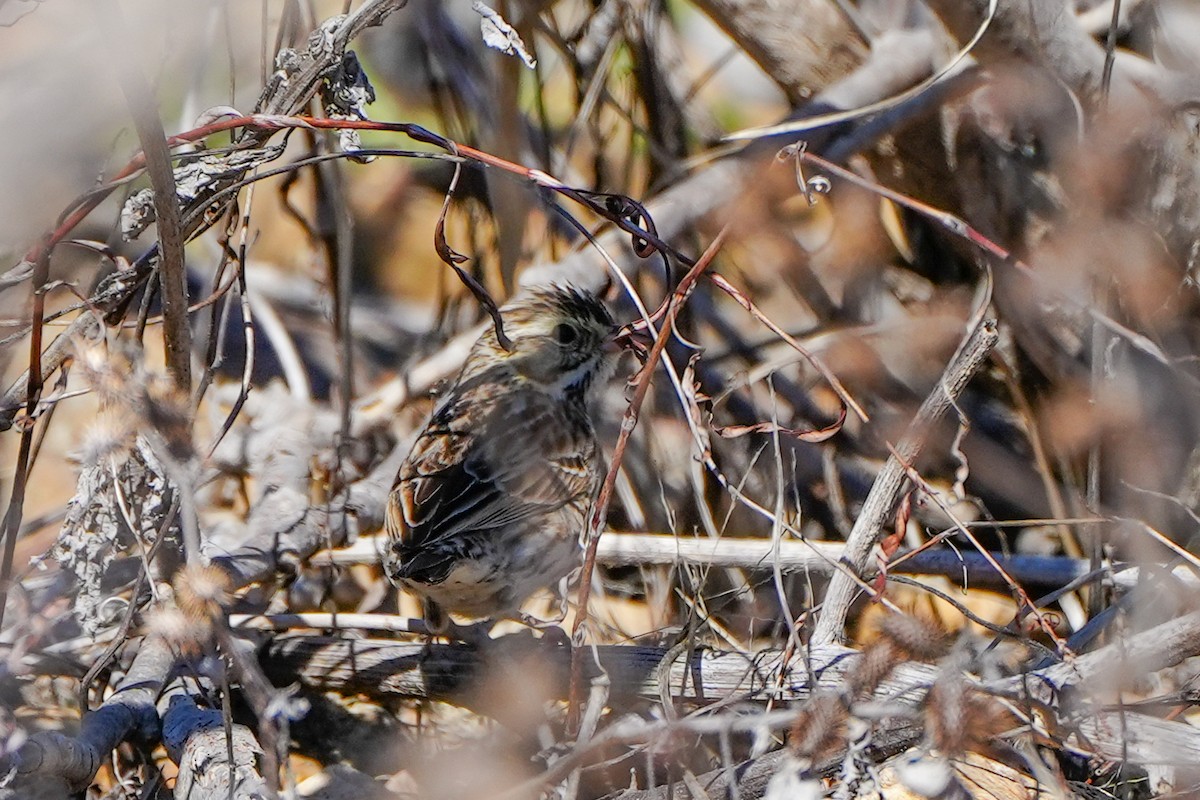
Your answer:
<point x="600" y="509"/>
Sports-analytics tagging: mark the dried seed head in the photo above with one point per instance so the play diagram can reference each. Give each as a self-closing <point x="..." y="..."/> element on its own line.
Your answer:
<point x="200" y="592"/>
<point x="959" y="719"/>
<point x="877" y="662"/>
<point x="118" y="377"/>
<point x="914" y="637"/>
<point x="820" y="727"/>
<point x="108" y="371"/>
<point x="183" y="633"/>
<point x="109" y="436"/>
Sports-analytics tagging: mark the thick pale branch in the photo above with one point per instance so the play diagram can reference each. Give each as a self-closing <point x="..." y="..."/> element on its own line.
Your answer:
<point x="791" y="41"/>
<point x="215" y="761"/>
<point x="618" y="548"/>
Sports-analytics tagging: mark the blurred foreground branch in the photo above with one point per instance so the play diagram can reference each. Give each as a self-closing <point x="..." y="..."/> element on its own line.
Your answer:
<point x="704" y="677"/>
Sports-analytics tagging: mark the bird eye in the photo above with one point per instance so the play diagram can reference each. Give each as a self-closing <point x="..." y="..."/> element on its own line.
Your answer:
<point x="565" y="334"/>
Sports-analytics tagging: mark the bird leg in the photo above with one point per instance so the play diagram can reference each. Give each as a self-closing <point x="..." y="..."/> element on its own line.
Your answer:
<point x="438" y="623"/>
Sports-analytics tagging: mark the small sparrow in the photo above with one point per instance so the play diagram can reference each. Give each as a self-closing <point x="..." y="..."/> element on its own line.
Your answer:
<point x="490" y="505"/>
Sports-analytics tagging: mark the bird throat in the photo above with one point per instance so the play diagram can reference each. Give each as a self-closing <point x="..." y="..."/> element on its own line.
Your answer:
<point x="572" y="384"/>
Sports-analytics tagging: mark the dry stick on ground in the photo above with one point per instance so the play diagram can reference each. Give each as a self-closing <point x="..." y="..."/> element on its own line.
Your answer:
<point x="216" y="762"/>
<point x="274" y="709"/>
<point x="1115" y="735"/>
<point x="749" y="780"/>
<point x="892" y="481"/>
<point x="76" y="760"/>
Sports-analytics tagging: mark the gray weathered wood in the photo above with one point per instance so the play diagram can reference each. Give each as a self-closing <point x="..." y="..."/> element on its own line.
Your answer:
<point x="55" y="758"/>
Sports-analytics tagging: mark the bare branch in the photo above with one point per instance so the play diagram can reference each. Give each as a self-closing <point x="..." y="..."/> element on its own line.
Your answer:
<point x="890" y="484"/>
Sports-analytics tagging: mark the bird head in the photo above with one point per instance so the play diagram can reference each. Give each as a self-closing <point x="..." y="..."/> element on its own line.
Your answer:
<point x="561" y="339"/>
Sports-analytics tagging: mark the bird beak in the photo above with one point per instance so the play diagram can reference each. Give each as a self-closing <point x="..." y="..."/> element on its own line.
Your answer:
<point x="612" y="343"/>
<point x="627" y="337"/>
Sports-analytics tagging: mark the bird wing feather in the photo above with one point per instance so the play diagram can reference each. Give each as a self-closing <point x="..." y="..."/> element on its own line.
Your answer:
<point x="458" y="487"/>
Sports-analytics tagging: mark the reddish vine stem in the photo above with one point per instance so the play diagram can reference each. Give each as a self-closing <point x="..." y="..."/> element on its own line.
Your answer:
<point x="85" y="204"/>
<point x="33" y="392"/>
<point x="642" y="385"/>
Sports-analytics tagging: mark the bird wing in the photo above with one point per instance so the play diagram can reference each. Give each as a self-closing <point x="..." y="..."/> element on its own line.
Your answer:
<point x="521" y="456"/>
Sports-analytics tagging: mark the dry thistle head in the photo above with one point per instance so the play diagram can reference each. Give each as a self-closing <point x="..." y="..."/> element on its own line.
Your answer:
<point x="959" y="719"/>
<point x="116" y="373"/>
<point x="820" y="727"/>
<point x="166" y="411"/>
<point x="109" y="436"/>
<point x="914" y="638"/>
<point x="201" y="592"/>
<point x="823" y="724"/>
<point x="175" y="627"/>
<point x="900" y="638"/>
<point x="108" y="370"/>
